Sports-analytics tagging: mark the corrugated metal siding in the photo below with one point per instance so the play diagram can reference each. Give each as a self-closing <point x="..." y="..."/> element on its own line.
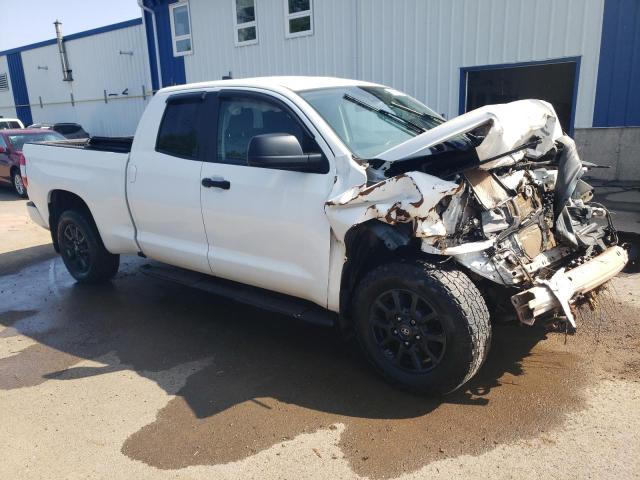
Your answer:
<point x="329" y="51"/>
<point x="6" y="97"/>
<point x="417" y="46"/>
<point x="618" y="92"/>
<point x="97" y="66"/>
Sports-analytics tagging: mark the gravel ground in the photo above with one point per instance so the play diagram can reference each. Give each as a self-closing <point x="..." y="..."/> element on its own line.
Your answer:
<point x="145" y="379"/>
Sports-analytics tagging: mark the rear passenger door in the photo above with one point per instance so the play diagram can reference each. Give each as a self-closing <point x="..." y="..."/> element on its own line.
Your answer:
<point x="265" y="227"/>
<point x="163" y="183"/>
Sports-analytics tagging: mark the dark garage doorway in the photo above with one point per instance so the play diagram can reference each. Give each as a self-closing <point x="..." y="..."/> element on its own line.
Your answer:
<point x="555" y="81"/>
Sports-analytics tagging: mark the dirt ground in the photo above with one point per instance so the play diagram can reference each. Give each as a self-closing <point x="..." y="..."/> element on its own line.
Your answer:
<point x="146" y="379"/>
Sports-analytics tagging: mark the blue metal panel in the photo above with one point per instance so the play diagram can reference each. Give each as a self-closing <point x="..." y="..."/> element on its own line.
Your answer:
<point x="617" y="92"/>
<point x="151" y="48"/>
<point x="171" y="68"/>
<point x="75" y="36"/>
<point x="462" y="94"/>
<point x="19" y="88"/>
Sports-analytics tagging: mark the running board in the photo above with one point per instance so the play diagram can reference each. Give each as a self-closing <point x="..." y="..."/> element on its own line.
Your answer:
<point x="254" y="296"/>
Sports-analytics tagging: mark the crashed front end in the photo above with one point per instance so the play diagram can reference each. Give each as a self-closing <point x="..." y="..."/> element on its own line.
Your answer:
<point x="512" y="209"/>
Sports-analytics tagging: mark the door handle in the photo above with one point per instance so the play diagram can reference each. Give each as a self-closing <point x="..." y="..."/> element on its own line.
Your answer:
<point x="211" y="183"/>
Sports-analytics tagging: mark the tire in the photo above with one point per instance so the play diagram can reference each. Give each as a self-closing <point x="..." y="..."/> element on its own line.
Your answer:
<point x="432" y="335"/>
<point x="18" y="184"/>
<point x="82" y="250"/>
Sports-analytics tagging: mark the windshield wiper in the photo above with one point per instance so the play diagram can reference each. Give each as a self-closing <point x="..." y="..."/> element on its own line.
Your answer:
<point x="416" y="112"/>
<point x="384" y="113"/>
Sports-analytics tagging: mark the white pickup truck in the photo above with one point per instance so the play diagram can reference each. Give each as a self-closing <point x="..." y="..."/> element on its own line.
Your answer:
<point x="344" y="197"/>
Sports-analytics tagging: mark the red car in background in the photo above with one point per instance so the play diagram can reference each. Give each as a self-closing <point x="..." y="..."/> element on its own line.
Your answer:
<point x="11" y="143"/>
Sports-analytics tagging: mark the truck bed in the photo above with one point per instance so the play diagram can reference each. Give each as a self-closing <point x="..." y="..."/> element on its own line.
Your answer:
<point x="101" y="144"/>
<point x="94" y="172"/>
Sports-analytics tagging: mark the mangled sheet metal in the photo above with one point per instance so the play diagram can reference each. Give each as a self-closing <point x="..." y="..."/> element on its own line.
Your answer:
<point x="508" y="126"/>
<point x="511" y="210"/>
<point x="409" y="197"/>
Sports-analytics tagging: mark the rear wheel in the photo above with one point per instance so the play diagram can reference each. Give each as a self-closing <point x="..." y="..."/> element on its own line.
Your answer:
<point x="18" y="184"/>
<point x="423" y="328"/>
<point x="82" y="250"/>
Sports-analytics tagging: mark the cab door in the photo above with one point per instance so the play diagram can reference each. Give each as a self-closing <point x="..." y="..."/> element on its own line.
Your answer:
<point x="265" y="227"/>
<point x="163" y="182"/>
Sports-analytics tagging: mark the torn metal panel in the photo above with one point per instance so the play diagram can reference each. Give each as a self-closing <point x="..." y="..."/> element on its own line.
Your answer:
<point x="410" y="197"/>
<point x="511" y="125"/>
<point x="558" y="291"/>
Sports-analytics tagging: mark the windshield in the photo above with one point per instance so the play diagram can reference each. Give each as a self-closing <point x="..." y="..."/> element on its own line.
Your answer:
<point x="371" y="120"/>
<point x="18" y="140"/>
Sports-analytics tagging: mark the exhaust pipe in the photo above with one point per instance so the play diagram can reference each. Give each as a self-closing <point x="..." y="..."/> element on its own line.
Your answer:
<point x="64" y="61"/>
<point x="556" y="292"/>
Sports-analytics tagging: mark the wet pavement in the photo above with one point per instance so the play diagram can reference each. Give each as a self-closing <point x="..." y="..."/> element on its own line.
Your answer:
<point x="140" y="378"/>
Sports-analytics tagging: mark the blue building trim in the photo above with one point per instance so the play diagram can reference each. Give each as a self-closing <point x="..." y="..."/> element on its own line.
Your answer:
<point x="19" y="88"/>
<point x="151" y="48"/>
<point x="462" y="95"/>
<point x="172" y="68"/>
<point x="617" y="91"/>
<point x="75" y="36"/>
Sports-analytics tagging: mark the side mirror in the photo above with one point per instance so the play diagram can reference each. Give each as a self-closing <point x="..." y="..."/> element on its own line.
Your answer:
<point x="3" y="150"/>
<point x="282" y="151"/>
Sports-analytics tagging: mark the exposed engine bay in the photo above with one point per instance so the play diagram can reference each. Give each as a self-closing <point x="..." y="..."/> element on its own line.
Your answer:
<point x="499" y="191"/>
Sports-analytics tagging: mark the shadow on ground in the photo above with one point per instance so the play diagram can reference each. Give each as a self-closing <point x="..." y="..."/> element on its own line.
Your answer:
<point x="269" y="379"/>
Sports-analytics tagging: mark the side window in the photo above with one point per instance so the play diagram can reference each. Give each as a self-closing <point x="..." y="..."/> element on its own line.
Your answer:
<point x="3" y="144"/>
<point x="180" y="29"/>
<point x="177" y="135"/>
<point x="244" y="22"/>
<point x="242" y="118"/>
<point x="298" y="18"/>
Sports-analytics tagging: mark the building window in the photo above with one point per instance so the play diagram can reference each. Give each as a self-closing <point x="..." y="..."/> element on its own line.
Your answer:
<point x="4" y="82"/>
<point x="298" y="18"/>
<point x="180" y="29"/>
<point x="244" y="20"/>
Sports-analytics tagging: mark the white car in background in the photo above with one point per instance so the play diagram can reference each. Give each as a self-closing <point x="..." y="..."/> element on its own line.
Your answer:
<point x="10" y="123"/>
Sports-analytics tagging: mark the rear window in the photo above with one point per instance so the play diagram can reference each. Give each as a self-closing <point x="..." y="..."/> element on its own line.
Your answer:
<point x="67" y="128"/>
<point x="17" y="141"/>
<point x="9" y="124"/>
<point x="177" y="135"/>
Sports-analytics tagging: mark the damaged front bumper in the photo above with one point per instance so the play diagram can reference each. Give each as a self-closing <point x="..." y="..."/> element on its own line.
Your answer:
<point x="558" y="292"/>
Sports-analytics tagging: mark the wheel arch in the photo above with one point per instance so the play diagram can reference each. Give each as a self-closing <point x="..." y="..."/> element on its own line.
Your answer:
<point x="368" y="245"/>
<point x="59" y="201"/>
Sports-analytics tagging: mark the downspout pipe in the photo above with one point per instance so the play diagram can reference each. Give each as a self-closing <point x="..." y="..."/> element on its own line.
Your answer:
<point x="64" y="60"/>
<point x="155" y="38"/>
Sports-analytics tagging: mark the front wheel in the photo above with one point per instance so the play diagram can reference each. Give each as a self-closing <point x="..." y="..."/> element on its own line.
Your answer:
<point x="82" y="250"/>
<point x="423" y="328"/>
<point x="18" y="184"/>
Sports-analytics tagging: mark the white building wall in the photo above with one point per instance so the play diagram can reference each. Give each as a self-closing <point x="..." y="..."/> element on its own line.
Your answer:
<point x="329" y="51"/>
<point x="417" y="46"/>
<point x="6" y="97"/>
<point x="97" y="66"/>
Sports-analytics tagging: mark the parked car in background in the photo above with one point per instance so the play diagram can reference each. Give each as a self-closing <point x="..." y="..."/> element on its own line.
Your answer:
<point x="10" y="123"/>
<point x="72" y="131"/>
<point x="11" y="157"/>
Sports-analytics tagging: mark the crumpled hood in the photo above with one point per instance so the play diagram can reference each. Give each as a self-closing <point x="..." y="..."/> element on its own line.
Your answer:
<point x="511" y="125"/>
<point x="413" y="195"/>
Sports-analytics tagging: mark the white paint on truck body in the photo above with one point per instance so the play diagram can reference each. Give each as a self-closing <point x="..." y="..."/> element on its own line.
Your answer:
<point x="285" y="230"/>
